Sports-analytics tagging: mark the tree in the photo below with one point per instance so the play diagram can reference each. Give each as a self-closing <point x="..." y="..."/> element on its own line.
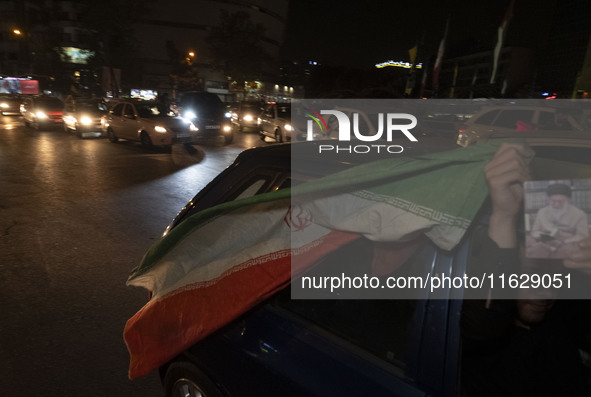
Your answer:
<point x="236" y="47"/>
<point x="110" y="34"/>
<point x="184" y="73"/>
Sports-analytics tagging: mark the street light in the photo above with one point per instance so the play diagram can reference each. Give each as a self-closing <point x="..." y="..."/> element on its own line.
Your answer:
<point x="17" y="32"/>
<point x="190" y="57"/>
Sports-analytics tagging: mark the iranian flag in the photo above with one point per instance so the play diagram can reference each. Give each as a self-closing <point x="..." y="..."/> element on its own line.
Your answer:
<point x="221" y="262"/>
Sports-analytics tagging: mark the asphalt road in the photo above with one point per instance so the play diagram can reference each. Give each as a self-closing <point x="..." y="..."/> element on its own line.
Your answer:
<point x="75" y="217"/>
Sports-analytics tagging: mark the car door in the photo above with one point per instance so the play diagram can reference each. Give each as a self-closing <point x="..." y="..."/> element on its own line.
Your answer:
<point x="384" y="347"/>
<point x="129" y="122"/>
<point x="267" y="124"/>
<point x="115" y="119"/>
<point x="27" y="109"/>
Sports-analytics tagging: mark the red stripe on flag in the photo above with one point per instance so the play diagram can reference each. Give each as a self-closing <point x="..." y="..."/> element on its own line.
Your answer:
<point x="165" y="327"/>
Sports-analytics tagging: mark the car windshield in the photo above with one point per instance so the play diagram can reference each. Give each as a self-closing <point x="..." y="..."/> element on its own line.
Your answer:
<point x="149" y="110"/>
<point x="284" y="111"/>
<point x="201" y="101"/>
<point x="250" y="106"/>
<point x="92" y="106"/>
<point x="50" y="103"/>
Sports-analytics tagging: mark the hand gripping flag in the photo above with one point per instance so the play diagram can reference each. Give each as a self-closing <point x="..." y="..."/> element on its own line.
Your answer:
<point x="221" y="262"/>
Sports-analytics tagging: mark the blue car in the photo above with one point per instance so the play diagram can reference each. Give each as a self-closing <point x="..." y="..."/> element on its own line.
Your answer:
<point x="335" y="347"/>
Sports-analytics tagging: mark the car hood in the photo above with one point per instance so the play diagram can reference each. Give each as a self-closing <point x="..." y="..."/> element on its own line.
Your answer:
<point x="167" y="121"/>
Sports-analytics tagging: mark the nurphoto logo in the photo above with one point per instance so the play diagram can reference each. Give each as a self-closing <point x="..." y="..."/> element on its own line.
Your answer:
<point x="348" y="129"/>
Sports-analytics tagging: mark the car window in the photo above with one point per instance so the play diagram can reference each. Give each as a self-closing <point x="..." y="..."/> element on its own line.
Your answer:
<point x="128" y="112"/>
<point x="251" y="188"/>
<point x="118" y="109"/>
<point x="487" y="118"/>
<point x="269" y="112"/>
<point x="511" y="118"/>
<point x="554" y="121"/>
<point x="284" y="111"/>
<point x="261" y="181"/>
<point x="384" y="327"/>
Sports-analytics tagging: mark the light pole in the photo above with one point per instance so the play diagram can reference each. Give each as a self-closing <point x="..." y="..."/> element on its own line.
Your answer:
<point x="23" y="49"/>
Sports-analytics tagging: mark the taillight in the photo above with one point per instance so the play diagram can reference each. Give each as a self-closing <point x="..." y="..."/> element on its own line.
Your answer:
<point x="462" y="128"/>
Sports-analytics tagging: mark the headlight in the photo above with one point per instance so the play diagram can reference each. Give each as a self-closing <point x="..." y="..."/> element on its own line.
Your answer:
<point x="228" y="114"/>
<point x="159" y="128"/>
<point x="3" y="105"/>
<point x="40" y="115"/>
<point x="227" y="128"/>
<point x="85" y="120"/>
<point x="248" y="117"/>
<point x="287" y="127"/>
<point x="192" y="127"/>
<point x="190" y="115"/>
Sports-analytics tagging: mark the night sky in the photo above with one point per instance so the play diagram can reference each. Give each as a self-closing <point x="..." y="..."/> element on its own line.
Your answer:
<point x="363" y="33"/>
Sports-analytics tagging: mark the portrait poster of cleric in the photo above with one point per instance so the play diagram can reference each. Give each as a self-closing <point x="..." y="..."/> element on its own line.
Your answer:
<point x="556" y="216"/>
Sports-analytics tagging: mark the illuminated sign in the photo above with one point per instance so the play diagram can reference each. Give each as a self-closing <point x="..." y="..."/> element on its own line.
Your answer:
<point x="11" y="85"/>
<point x="405" y="65"/>
<point x="143" y="94"/>
<point x="76" y="55"/>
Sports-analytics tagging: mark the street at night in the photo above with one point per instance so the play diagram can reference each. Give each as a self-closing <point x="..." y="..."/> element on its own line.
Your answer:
<point x="77" y="216"/>
<point x="400" y="205"/>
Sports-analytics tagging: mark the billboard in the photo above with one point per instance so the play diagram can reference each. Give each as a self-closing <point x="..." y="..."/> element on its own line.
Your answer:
<point x="19" y="86"/>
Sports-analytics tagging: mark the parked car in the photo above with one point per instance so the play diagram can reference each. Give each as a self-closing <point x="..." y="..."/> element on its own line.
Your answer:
<point x="83" y="116"/>
<point x="245" y="115"/>
<point x="42" y="111"/>
<point x="10" y="104"/>
<point x="208" y="113"/>
<point x="141" y="121"/>
<point x="500" y="122"/>
<point x="275" y="122"/>
<point x="287" y="347"/>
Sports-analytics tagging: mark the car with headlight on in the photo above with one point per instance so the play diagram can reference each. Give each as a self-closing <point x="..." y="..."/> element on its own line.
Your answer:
<point x="245" y="115"/>
<point x="518" y="121"/>
<point x="83" y="116"/>
<point x="10" y="104"/>
<point x="275" y="122"/>
<point x="141" y="121"/>
<point x="208" y="113"/>
<point x="42" y="111"/>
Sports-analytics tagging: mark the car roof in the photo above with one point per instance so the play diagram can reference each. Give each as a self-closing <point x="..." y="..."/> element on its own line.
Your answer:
<point x="549" y="108"/>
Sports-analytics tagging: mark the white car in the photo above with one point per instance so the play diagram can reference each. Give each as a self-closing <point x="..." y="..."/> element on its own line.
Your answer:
<point x="498" y="122"/>
<point x="141" y="121"/>
<point x="275" y="122"/>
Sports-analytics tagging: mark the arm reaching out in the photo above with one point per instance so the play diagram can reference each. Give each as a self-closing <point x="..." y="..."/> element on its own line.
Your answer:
<point x="505" y="175"/>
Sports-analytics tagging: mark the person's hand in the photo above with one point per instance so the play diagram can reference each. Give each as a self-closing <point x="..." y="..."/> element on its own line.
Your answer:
<point x="579" y="258"/>
<point x="505" y="175"/>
